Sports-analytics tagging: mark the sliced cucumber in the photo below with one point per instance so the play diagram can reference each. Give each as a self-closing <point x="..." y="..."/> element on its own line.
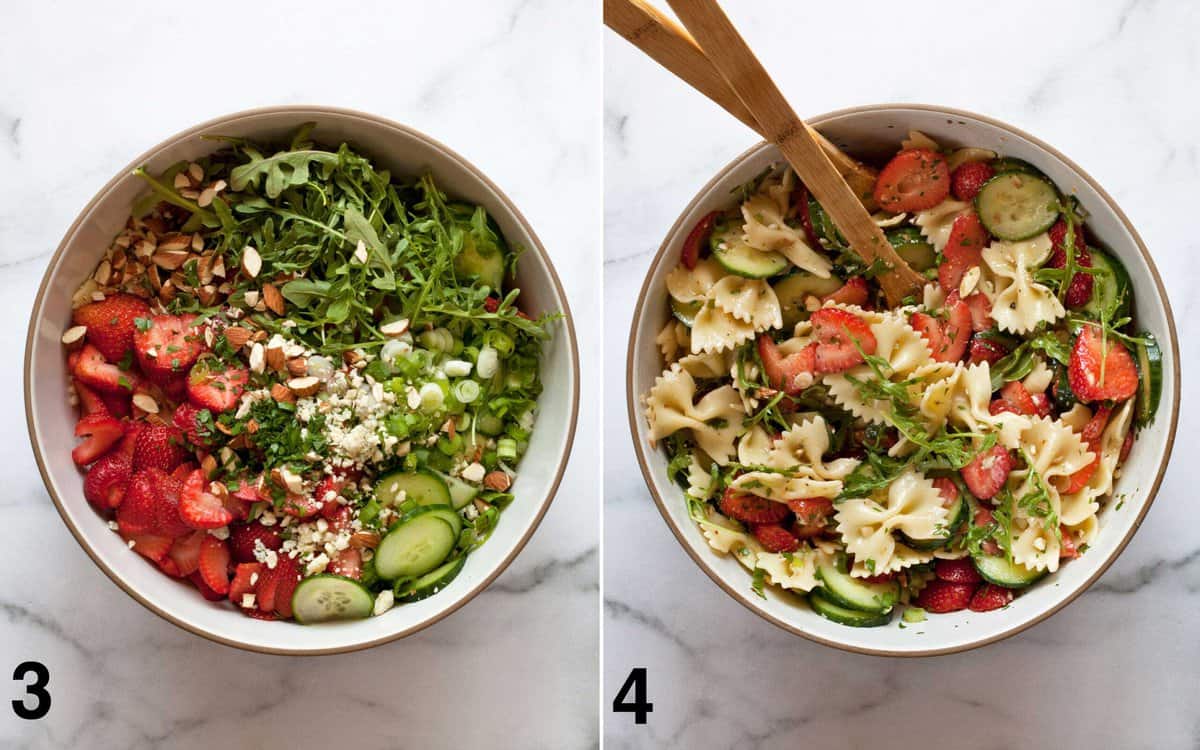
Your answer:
<point x="326" y="597"/>
<point x="461" y="492"/>
<point x="955" y="520"/>
<point x="430" y="583"/>
<point x="685" y="312"/>
<point x="1111" y="288"/>
<point x="417" y="544"/>
<point x="489" y="424"/>
<point x="1149" y="362"/>
<point x="1008" y="164"/>
<point x="794" y="289"/>
<point x="855" y="618"/>
<point x="423" y="486"/>
<point x="483" y="260"/>
<point x="1015" y="206"/>
<point x="998" y="570"/>
<point x="444" y="512"/>
<point x="913" y="248"/>
<point x="731" y="251"/>
<point x="846" y="591"/>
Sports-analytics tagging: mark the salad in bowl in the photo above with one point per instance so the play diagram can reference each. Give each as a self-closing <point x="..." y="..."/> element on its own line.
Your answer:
<point x="304" y="385"/>
<point x="938" y="456"/>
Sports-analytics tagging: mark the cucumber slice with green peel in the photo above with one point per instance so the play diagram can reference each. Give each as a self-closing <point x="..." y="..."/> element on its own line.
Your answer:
<point x="444" y="512"/>
<point x="1149" y="362"/>
<point x="1008" y="164"/>
<point x="430" y="583"/>
<point x="793" y="290"/>
<point x="417" y="544"/>
<point x="1111" y="288"/>
<point x="735" y="256"/>
<point x="954" y="521"/>
<point x="998" y="570"/>
<point x="424" y="486"/>
<point x="913" y="248"/>
<point x="326" y="597"/>
<point x="1016" y="206"/>
<point x="685" y="312"/>
<point x="489" y="424"/>
<point x="844" y="590"/>
<point x="855" y="618"/>
<point x="461" y="492"/>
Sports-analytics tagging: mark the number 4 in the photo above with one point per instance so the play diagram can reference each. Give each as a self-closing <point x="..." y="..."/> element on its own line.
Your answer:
<point x="638" y="707"/>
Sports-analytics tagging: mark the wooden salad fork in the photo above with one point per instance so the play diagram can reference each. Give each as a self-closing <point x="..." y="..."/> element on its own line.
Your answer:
<point x="716" y="61"/>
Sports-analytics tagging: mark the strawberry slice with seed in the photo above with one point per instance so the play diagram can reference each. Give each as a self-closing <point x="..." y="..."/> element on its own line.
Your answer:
<point x="107" y="479"/>
<point x="786" y="373"/>
<point x="214" y="386"/>
<point x="168" y="345"/>
<point x="854" y="292"/>
<point x="287" y="578"/>
<point x="245" y="577"/>
<point x="963" y="250"/>
<point x="988" y="472"/>
<point x="940" y="596"/>
<point x="1101" y="368"/>
<point x="914" y="180"/>
<point x="842" y="339"/>
<point x="957" y="571"/>
<point x="751" y="508"/>
<point x="198" y="507"/>
<point x="990" y="597"/>
<point x="690" y="255"/>
<point x="100" y="433"/>
<point x="204" y="589"/>
<point x="92" y="369"/>
<point x="111" y="323"/>
<point x="812" y="515"/>
<point x="775" y="538"/>
<point x="186" y="552"/>
<point x="214" y="564"/>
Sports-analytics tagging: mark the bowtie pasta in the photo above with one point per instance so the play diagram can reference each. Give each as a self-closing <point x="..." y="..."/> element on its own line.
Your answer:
<point x="936" y="456"/>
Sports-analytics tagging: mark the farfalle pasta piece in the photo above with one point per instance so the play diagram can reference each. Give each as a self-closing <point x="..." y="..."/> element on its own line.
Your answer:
<point x="803" y="448"/>
<point x="715" y="421"/>
<point x="868" y="525"/>
<point x="1019" y="304"/>
<point x="699" y="480"/>
<point x="900" y="346"/>
<point x="1078" y="507"/>
<point x="796" y="571"/>
<point x="1039" y="378"/>
<point x="771" y="485"/>
<point x="706" y="366"/>
<point x="754" y="447"/>
<point x="935" y="223"/>
<point x="767" y="230"/>
<point x="674" y="339"/>
<point x="694" y="284"/>
<point x="969" y="407"/>
<point x="750" y="301"/>
<point x="732" y="308"/>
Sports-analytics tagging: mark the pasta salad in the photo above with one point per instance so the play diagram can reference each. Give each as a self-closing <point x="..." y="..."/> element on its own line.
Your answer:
<point x="937" y="456"/>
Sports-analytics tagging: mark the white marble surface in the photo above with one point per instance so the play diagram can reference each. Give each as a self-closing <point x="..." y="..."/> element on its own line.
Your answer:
<point x="1111" y="84"/>
<point x="86" y="87"/>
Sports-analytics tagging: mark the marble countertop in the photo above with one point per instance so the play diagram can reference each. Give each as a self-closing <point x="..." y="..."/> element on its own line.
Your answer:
<point x="1104" y="82"/>
<point x="88" y="86"/>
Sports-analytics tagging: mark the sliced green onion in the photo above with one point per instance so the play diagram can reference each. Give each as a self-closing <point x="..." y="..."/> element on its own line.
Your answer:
<point x="500" y="341"/>
<point x="432" y="397"/>
<point x="437" y="340"/>
<point x="506" y="449"/>
<point x="488" y="362"/>
<point x="467" y="391"/>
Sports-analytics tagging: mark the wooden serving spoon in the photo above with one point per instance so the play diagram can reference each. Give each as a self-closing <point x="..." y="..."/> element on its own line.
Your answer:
<point x="646" y="28"/>
<point x="729" y="55"/>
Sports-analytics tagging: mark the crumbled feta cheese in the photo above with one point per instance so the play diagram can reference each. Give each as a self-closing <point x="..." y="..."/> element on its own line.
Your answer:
<point x="131" y="543"/>
<point x="384" y="601"/>
<point x="318" y="564"/>
<point x="221" y="533"/>
<point x="113" y="525"/>
<point x="267" y="518"/>
<point x="248" y="601"/>
<point x="253" y="578"/>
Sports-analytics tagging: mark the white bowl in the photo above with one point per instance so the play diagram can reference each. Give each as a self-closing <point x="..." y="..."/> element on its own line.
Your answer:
<point x="874" y="133"/>
<point x="51" y="420"/>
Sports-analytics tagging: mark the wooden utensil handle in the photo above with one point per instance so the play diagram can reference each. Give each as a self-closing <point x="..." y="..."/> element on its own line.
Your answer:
<point x="730" y="54"/>
<point x="673" y="48"/>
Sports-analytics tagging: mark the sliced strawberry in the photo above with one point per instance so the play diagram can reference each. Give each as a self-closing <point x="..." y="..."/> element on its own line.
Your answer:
<point x="957" y="571"/>
<point x="775" y="538"/>
<point x="245" y="576"/>
<point x="1067" y="549"/>
<point x="947" y="339"/>
<point x="94" y="370"/>
<point x="981" y="311"/>
<point x="186" y="552"/>
<point x="1099" y="370"/>
<point x="167" y="490"/>
<point x="89" y="400"/>
<point x="213" y="386"/>
<point x="242" y="538"/>
<point x="200" y="508"/>
<point x="986" y="350"/>
<point x="138" y="511"/>
<point x="119" y="404"/>
<point x="338" y="515"/>
<point x="751" y="508"/>
<point x="132" y="430"/>
<point x="106" y="482"/>
<point x="168" y="345"/>
<point x="205" y="590"/>
<point x="268" y="583"/>
<point x="988" y="472"/>
<point x="214" y="564"/>
<point x="690" y="255"/>
<point x="151" y="546"/>
<point x="940" y="596"/>
<point x="100" y="433"/>
<point x="1091" y="437"/>
<point x="966" y="181"/>
<point x="784" y="373"/>
<point x="963" y="250"/>
<point x="301" y="506"/>
<point x="1079" y="292"/>
<point x="258" y="614"/>
<point x="158" y="446"/>
<point x="812" y="515"/>
<point x="989" y="596"/>
<point x="196" y="424"/>
<point x="914" y="180"/>
<point x="1126" y="446"/>
<point x="247" y="491"/>
<point x="1041" y="404"/>
<point x="348" y="563"/>
<point x="184" y="470"/>
<point x="111" y="323"/>
<point x="854" y="292"/>
<point x="840" y="335"/>
<point x="947" y="489"/>
<point x="1014" y="398"/>
<point x="287" y="578"/>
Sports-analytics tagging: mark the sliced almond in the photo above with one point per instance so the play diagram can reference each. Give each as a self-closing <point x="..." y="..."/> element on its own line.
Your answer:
<point x="195" y="171"/>
<point x="175" y="242"/>
<point x="74" y="335"/>
<point x="171" y="259"/>
<point x="207" y="294"/>
<point x="273" y="299"/>
<point x="297" y="366"/>
<point x="394" y="327"/>
<point x="252" y="298"/>
<point x="167" y="292"/>
<point x="364" y="539"/>
<point x="970" y="280"/>
<point x="257" y="359"/>
<point x="103" y="273"/>
<point x="251" y="262"/>
<point x="498" y="481"/>
<point x="305" y="386"/>
<point x="218" y="267"/>
<point x="282" y="394"/>
<point x="197" y="242"/>
<point x="206" y="197"/>
<point x="182" y="181"/>
<point x="251" y="426"/>
<point x="351" y="357"/>
<point x="208" y="465"/>
<point x="237" y="336"/>
<point x="145" y="402"/>
<point x="276" y="359"/>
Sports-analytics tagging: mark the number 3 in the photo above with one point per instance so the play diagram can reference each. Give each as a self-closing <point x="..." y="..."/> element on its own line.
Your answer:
<point x="36" y="689"/>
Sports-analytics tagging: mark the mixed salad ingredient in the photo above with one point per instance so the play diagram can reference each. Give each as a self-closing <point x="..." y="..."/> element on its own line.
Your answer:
<point x="938" y="456"/>
<point x="304" y="386"/>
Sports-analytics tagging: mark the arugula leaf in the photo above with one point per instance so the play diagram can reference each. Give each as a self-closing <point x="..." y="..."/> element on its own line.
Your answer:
<point x="283" y="170"/>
